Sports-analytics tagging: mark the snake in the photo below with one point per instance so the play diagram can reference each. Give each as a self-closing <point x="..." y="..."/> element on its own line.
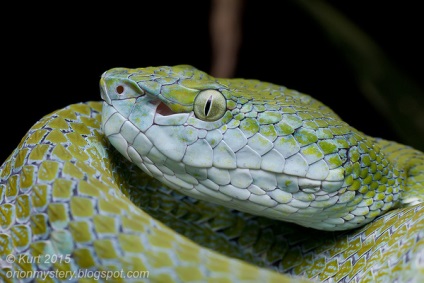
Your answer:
<point x="178" y="176"/>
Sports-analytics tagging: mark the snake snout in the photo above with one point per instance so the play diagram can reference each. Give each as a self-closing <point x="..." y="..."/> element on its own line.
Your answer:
<point x="103" y="91"/>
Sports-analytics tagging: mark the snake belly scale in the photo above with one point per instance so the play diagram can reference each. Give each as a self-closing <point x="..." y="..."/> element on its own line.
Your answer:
<point x="233" y="161"/>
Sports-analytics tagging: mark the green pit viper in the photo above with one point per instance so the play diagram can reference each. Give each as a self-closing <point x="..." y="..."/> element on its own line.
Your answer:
<point x="191" y="178"/>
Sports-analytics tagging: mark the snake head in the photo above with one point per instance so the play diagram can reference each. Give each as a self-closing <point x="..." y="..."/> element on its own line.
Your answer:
<point x="250" y="145"/>
<point x="172" y="105"/>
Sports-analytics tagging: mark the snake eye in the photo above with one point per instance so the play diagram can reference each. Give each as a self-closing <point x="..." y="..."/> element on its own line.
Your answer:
<point x="210" y="105"/>
<point x="119" y="89"/>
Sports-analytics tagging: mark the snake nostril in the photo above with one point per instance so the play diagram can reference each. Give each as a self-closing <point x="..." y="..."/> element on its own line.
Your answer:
<point x="119" y="89"/>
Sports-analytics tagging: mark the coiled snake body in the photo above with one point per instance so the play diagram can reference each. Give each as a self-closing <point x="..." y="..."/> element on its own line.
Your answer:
<point x="233" y="162"/>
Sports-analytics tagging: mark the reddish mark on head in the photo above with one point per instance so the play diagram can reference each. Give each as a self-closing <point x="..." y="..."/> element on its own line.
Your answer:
<point x="164" y="110"/>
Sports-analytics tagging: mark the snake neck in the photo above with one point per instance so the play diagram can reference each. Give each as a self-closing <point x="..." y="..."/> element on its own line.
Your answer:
<point x="410" y="163"/>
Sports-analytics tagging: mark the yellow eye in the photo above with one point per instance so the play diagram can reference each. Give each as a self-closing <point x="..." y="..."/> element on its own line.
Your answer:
<point x="210" y="105"/>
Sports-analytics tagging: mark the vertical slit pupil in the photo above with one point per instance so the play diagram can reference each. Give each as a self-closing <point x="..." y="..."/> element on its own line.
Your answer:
<point x="208" y="105"/>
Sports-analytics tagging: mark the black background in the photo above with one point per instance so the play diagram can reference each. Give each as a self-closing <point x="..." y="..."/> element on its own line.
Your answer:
<point x="53" y="56"/>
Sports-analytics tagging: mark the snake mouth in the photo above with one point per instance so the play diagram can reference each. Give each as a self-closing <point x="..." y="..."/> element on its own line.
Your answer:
<point x="163" y="109"/>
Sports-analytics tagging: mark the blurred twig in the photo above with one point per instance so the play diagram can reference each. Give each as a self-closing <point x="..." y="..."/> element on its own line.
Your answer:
<point x="225" y="28"/>
<point x="397" y="97"/>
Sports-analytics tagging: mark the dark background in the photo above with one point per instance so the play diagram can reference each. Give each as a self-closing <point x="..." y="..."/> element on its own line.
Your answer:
<point x="54" y="56"/>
